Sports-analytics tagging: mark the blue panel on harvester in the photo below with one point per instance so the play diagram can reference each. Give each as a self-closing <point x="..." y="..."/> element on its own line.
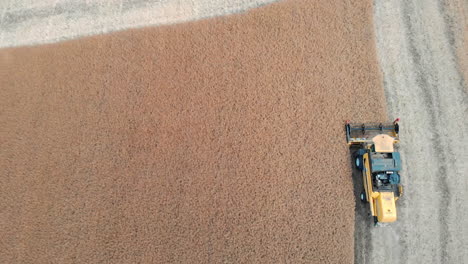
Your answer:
<point x="392" y="163"/>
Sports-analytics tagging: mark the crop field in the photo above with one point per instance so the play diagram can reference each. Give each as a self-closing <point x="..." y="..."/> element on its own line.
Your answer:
<point x="211" y="141"/>
<point x="212" y="131"/>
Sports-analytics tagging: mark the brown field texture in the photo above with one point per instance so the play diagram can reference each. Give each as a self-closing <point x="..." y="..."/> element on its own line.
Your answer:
<point x="220" y="140"/>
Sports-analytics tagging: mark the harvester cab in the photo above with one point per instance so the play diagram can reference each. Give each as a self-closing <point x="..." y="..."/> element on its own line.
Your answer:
<point x="380" y="164"/>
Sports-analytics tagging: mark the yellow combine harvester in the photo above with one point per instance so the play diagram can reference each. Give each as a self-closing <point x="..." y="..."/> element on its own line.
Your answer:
<point x="380" y="166"/>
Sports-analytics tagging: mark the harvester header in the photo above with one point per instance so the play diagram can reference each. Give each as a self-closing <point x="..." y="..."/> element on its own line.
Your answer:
<point x="362" y="133"/>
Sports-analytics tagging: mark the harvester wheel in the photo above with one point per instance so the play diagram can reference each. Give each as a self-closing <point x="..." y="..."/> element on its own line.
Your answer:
<point x="363" y="197"/>
<point x="359" y="163"/>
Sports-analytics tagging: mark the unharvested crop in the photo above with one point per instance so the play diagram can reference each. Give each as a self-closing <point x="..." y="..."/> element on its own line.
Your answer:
<point x="214" y="141"/>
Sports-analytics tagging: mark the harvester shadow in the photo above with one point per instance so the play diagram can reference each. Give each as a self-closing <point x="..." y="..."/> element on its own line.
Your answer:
<point x="363" y="221"/>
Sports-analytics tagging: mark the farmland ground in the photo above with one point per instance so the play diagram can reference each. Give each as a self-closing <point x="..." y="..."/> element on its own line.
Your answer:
<point x="214" y="141"/>
<point x="422" y="54"/>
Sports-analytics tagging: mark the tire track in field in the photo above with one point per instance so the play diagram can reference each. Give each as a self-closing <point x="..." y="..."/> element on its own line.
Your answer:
<point x="424" y="86"/>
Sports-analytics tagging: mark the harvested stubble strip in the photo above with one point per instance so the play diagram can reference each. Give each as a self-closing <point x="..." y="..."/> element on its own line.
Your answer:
<point x="214" y="141"/>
